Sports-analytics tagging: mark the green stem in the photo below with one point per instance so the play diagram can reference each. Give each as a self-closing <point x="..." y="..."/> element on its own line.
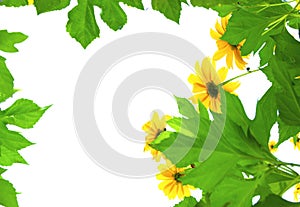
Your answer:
<point x="239" y="76"/>
<point x="273" y="5"/>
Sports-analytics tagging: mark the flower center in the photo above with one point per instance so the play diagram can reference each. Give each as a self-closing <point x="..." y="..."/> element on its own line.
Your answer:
<point x="212" y="89"/>
<point x="177" y="176"/>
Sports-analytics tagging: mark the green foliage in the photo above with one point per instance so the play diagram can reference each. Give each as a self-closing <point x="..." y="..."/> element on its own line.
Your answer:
<point x="274" y="200"/>
<point x="187" y="202"/>
<point x="22" y="113"/>
<point x="7" y="194"/>
<point x="14" y="3"/>
<point x="43" y="6"/>
<point x="241" y="166"/>
<point x="8" y="40"/>
<point x="82" y="23"/>
<point x="170" y="8"/>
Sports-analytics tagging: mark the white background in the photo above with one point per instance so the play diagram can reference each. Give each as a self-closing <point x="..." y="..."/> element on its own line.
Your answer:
<point x="46" y="69"/>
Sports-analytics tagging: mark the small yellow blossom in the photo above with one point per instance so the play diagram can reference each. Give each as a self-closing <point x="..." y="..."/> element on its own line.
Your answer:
<point x="206" y="83"/>
<point x="272" y="147"/>
<point x="30" y="2"/>
<point x="232" y="52"/>
<point x="153" y="128"/>
<point x="297" y="192"/>
<point x="170" y="185"/>
<point x="297" y="144"/>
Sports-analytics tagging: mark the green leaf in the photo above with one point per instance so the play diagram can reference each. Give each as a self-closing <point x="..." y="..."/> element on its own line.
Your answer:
<point x="237" y="113"/>
<point x="286" y="97"/>
<point x="134" y="3"/>
<point x="275" y="200"/>
<point x="8" y="193"/>
<point x="234" y="192"/>
<point x="186" y="108"/>
<point x="23" y="113"/>
<point x="267" y="51"/>
<point x="286" y="131"/>
<point x="180" y="149"/>
<point x="219" y="165"/>
<point x="8" y="40"/>
<point x="43" y="6"/>
<point x="265" y="118"/>
<point x="245" y="25"/>
<point x="6" y="82"/>
<point x="184" y="146"/>
<point x="112" y="14"/>
<point x="294" y="22"/>
<point x="187" y="202"/>
<point x="9" y="157"/>
<point x="82" y="24"/>
<point x="169" y="8"/>
<point x="14" y="3"/>
<point x="12" y="140"/>
<point x="2" y="170"/>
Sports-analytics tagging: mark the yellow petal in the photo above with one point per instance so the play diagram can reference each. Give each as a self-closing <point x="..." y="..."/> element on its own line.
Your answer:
<point x="231" y="86"/>
<point x="173" y="191"/>
<point x="240" y="63"/>
<point x="199" y="88"/>
<point x="215" y="35"/>
<point x="215" y="105"/>
<point x="220" y="53"/>
<point x="30" y="2"/>
<point x="146" y="126"/>
<point x="229" y="59"/>
<point x="219" y="28"/>
<point x="222" y="73"/>
<point x="221" y="44"/>
<point x="224" y="22"/>
<point x="192" y="79"/>
<point x="207" y="70"/>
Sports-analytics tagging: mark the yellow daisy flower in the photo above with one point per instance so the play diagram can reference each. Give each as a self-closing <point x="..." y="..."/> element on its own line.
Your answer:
<point x="30" y="2"/>
<point x="297" y="192"/>
<point x="153" y="128"/>
<point x="206" y="83"/>
<point x="297" y="144"/>
<point x="232" y="52"/>
<point x="170" y="184"/>
<point x="272" y="147"/>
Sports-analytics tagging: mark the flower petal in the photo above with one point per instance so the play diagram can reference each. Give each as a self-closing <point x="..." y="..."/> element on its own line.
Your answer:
<point x="240" y="63"/>
<point x="222" y="73"/>
<point x="220" y="53"/>
<point x="215" y="35"/>
<point x="229" y="59"/>
<point x="219" y="28"/>
<point x="231" y="86"/>
<point x="215" y="105"/>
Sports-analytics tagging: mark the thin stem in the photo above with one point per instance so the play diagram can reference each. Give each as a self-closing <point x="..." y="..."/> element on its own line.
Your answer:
<point x="239" y="76"/>
<point x="273" y="5"/>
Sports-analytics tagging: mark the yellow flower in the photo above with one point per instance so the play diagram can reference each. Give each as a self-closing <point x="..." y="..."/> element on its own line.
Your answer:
<point x="170" y="184"/>
<point x="206" y="84"/>
<point x="297" y="192"/>
<point x="232" y="52"/>
<point x="298" y="77"/>
<point x="297" y="144"/>
<point x="153" y="128"/>
<point x="272" y="147"/>
<point x="30" y="2"/>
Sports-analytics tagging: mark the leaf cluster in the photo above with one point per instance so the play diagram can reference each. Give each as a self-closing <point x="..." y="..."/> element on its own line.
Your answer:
<point x="23" y="113"/>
